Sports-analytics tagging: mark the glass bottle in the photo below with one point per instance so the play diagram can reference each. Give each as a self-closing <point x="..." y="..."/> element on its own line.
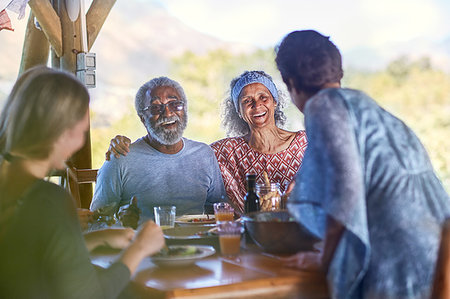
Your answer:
<point x="251" y="199"/>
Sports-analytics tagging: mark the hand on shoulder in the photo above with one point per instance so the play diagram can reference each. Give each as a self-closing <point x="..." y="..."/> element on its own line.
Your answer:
<point x="119" y="145"/>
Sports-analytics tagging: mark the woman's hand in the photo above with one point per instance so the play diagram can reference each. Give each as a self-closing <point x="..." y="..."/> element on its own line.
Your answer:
<point x="149" y="240"/>
<point x="120" y="145"/>
<point x="85" y="216"/>
<point x="304" y="261"/>
<point x="118" y="238"/>
<point x="289" y="188"/>
<point x="287" y="193"/>
<point x="150" y="237"/>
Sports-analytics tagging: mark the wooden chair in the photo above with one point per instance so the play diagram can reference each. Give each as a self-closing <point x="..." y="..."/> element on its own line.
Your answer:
<point x="441" y="285"/>
<point x="76" y="177"/>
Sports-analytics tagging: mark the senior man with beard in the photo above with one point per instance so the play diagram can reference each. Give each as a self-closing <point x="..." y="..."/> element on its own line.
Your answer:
<point x="163" y="167"/>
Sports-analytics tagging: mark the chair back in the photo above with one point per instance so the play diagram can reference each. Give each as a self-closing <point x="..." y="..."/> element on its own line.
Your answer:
<point x="76" y="177"/>
<point x="441" y="285"/>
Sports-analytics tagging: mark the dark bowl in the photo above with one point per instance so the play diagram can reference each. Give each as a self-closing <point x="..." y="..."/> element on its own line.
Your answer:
<point x="277" y="232"/>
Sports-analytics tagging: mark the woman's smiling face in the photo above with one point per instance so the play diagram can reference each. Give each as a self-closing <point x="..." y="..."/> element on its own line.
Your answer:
<point x="257" y="106"/>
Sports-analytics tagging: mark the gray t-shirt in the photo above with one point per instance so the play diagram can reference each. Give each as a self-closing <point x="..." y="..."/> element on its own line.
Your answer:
<point x="190" y="179"/>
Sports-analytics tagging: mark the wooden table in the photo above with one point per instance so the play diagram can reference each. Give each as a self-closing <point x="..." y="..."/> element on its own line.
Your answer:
<point x="249" y="275"/>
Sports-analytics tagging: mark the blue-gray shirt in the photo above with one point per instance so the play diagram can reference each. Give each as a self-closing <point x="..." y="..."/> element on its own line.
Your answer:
<point x="190" y="179"/>
<point x="367" y="170"/>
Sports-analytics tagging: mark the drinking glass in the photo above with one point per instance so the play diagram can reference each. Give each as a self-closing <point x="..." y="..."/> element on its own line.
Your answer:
<point x="223" y="212"/>
<point x="165" y="216"/>
<point x="230" y="237"/>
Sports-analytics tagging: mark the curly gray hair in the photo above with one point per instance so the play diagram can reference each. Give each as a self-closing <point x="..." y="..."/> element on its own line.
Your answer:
<point x="139" y="102"/>
<point x="233" y="124"/>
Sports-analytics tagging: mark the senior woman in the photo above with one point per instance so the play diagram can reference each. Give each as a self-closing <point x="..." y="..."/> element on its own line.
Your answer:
<point x="256" y="144"/>
<point x="372" y="188"/>
<point x="253" y="117"/>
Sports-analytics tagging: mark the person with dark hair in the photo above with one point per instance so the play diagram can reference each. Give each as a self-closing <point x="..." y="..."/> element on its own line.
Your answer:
<point x="42" y="251"/>
<point x="366" y="183"/>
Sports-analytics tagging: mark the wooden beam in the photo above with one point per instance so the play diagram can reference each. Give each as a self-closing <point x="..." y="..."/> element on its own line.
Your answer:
<point x="71" y="41"/>
<point x="49" y="22"/>
<point x="95" y="18"/>
<point x="35" y="47"/>
<point x="55" y="60"/>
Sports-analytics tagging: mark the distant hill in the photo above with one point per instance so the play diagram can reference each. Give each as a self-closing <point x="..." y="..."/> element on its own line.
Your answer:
<point x="139" y="38"/>
<point x="144" y="37"/>
<point x="136" y="43"/>
<point x="370" y="59"/>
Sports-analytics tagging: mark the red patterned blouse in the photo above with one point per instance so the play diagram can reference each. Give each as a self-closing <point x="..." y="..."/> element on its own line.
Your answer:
<point x="236" y="159"/>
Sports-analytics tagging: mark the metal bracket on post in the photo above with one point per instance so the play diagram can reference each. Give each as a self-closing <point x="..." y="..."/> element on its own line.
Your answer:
<point x="86" y="62"/>
<point x="86" y="65"/>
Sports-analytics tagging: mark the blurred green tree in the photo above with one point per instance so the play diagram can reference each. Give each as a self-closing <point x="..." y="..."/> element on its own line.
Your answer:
<point x="419" y="95"/>
<point x="411" y="89"/>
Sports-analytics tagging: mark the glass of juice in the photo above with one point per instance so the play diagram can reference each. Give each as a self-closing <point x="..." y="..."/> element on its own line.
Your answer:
<point x="223" y="212"/>
<point x="230" y="237"/>
<point x="165" y="216"/>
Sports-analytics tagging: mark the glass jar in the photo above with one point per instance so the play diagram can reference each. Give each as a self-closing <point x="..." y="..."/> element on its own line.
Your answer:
<point x="269" y="196"/>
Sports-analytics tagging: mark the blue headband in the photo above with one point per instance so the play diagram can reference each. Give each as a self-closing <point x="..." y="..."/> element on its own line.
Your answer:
<point x="250" y="78"/>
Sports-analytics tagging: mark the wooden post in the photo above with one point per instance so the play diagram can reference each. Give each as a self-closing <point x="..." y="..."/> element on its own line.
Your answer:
<point x="54" y="57"/>
<point x="35" y="47"/>
<point x="95" y="17"/>
<point x="441" y="284"/>
<point x="71" y="41"/>
<point x="49" y="22"/>
<point x="65" y="39"/>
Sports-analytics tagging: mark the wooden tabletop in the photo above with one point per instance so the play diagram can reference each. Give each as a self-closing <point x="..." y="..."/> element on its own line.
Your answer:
<point x="252" y="274"/>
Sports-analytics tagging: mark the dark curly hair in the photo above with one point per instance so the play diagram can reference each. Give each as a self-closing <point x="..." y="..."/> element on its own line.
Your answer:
<point x="309" y="59"/>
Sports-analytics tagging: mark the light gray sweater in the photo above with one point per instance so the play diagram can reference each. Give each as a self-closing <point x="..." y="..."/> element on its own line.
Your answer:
<point x="190" y="179"/>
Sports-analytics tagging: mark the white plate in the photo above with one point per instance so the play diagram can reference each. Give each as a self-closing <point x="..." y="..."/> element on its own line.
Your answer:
<point x="195" y="219"/>
<point x="189" y="232"/>
<point x="204" y="251"/>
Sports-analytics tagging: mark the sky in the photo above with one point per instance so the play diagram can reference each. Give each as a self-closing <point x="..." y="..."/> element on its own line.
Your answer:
<point x="350" y="23"/>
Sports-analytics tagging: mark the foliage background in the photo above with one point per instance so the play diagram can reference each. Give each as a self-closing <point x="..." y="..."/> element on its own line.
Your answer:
<point x="411" y="89"/>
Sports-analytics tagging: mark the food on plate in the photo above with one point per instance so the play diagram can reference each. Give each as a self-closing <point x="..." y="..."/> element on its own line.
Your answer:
<point x="195" y="219"/>
<point x="200" y="220"/>
<point x="178" y="251"/>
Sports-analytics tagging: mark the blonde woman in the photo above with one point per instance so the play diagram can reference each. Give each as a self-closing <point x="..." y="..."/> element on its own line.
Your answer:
<point x="42" y="250"/>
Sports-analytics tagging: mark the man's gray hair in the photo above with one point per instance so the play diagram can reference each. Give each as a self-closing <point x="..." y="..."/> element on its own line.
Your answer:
<point x="233" y="124"/>
<point x="139" y="101"/>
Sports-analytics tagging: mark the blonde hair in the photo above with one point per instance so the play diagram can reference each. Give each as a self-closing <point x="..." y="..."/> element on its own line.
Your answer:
<point x="42" y="105"/>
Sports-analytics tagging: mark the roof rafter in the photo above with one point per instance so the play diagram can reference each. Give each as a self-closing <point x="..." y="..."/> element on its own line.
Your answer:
<point x="95" y="18"/>
<point x="49" y="22"/>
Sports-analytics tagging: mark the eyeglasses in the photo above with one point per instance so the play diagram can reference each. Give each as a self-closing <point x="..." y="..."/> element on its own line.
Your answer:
<point x="156" y="109"/>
